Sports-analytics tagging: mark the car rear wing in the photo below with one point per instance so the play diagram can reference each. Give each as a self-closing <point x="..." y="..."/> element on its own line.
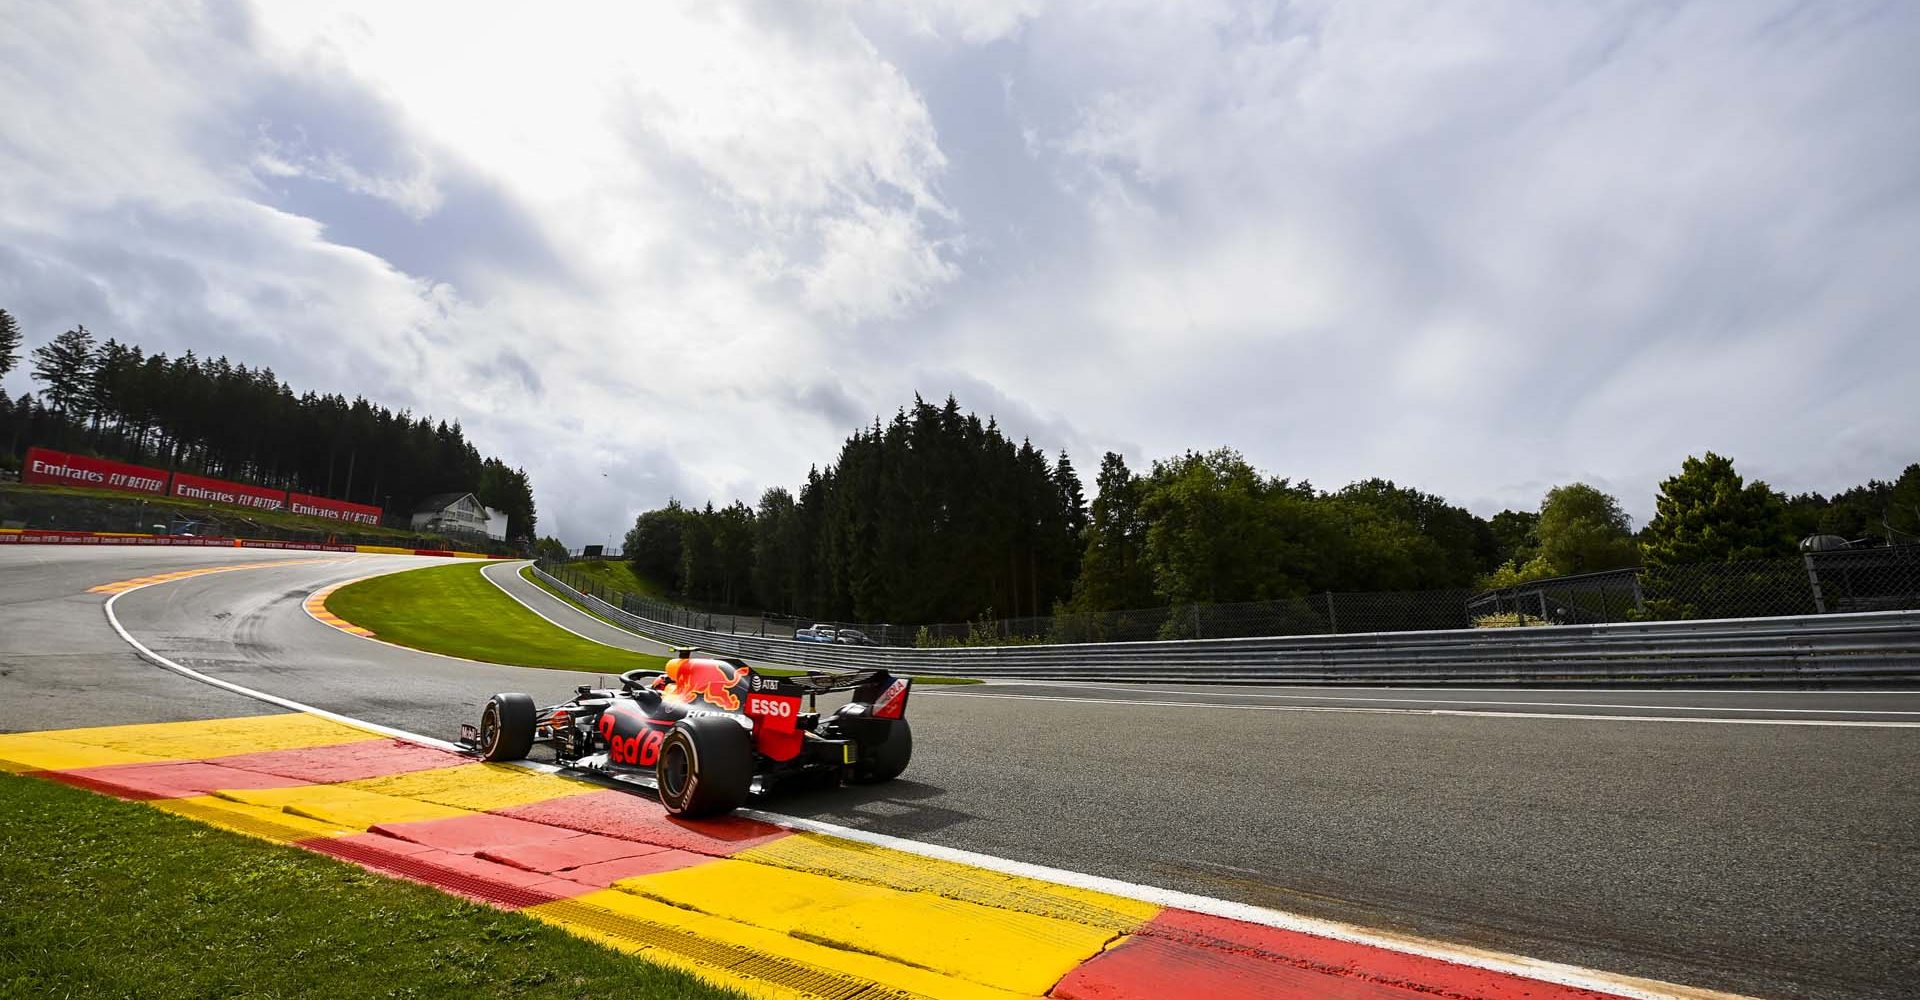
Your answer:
<point x="878" y="688"/>
<point x="821" y="682"/>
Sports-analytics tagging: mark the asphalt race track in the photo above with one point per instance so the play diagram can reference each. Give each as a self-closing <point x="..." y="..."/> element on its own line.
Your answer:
<point x="1761" y="843"/>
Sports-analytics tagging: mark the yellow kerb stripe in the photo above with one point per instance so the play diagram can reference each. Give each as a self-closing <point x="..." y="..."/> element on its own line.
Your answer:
<point x="478" y="787"/>
<point x="98" y="746"/>
<point x="340" y="806"/>
<point x="754" y="960"/>
<point x="997" y="948"/>
<point x="316" y="606"/>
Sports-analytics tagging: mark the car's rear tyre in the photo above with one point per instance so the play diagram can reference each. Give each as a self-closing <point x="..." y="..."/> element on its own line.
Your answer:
<point x="506" y="727"/>
<point x="706" y="766"/>
<point x="884" y="758"/>
<point x="885" y="745"/>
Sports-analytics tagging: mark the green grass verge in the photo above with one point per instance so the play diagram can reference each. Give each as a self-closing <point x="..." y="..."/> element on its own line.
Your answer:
<point x="619" y="575"/>
<point x="526" y="573"/>
<point x="453" y="610"/>
<point x="104" y="898"/>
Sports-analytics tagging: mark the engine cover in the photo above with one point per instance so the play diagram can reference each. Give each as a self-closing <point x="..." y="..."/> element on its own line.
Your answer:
<point x="633" y="740"/>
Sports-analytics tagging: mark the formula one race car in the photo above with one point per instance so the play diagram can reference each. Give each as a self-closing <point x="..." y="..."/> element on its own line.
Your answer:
<point x="707" y="731"/>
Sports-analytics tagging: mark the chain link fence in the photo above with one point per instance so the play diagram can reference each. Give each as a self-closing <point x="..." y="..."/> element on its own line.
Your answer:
<point x="1813" y="583"/>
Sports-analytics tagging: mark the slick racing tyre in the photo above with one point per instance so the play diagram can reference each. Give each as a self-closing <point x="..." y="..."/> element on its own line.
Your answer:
<point x="886" y="745"/>
<point x="506" y="727"/>
<point x="706" y="766"/>
<point x="885" y="752"/>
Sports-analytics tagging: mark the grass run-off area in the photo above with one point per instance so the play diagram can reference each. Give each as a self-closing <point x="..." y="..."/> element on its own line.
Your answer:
<point x="618" y="574"/>
<point x="454" y="610"/>
<point x="104" y="898"/>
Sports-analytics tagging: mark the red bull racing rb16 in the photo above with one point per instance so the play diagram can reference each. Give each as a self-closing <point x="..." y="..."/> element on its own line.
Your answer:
<point x="708" y="731"/>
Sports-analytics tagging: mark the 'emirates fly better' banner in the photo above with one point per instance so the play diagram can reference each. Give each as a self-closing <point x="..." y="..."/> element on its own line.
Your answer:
<point x="339" y="510"/>
<point x="191" y="487"/>
<point x="45" y="465"/>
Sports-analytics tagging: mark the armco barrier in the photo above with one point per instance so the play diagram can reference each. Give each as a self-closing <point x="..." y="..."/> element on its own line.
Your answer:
<point x="1872" y="647"/>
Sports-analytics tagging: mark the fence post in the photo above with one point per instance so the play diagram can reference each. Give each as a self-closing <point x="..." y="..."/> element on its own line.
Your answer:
<point x="1813" y="581"/>
<point x="1542" y="594"/>
<point x="1333" y="623"/>
<point x="1197" y="634"/>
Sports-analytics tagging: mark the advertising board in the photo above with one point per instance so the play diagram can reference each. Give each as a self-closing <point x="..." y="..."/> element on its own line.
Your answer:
<point x="44" y="465"/>
<point x="191" y="487"/>
<point x="338" y="510"/>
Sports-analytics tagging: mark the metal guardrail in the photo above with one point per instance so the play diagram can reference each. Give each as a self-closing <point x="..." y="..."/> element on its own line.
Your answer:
<point x="1817" y="649"/>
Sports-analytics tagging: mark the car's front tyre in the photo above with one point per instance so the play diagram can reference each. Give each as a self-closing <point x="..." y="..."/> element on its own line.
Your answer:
<point x="506" y="727"/>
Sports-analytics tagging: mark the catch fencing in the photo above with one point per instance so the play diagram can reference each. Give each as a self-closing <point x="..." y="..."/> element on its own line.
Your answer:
<point x="1830" y="649"/>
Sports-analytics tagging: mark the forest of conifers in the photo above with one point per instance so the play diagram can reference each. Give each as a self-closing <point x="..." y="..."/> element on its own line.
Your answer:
<point x="230" y="421"/>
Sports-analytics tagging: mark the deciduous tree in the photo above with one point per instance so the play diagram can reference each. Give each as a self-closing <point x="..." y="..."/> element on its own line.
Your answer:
<point x="1583" y="530"/>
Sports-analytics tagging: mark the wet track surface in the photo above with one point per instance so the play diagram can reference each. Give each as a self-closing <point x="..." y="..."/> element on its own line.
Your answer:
<point x="1752" y="852"/>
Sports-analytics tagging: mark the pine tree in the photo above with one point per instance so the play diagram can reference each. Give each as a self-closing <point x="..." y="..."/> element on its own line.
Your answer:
<point x="64" y="366"/>
<point x="1707" y="513"/>
<point x="1902" y="518"/>
<point x="9" y="343"/>
<point x="1113" y="571"/>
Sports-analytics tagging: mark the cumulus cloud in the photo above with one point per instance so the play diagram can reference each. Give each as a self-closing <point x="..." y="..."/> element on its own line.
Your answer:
<point x="1478" y="251"/>
<point x="653" y="250"/>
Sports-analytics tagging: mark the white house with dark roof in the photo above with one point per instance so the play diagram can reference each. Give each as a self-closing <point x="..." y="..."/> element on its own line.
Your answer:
<point x="450" y="513"/>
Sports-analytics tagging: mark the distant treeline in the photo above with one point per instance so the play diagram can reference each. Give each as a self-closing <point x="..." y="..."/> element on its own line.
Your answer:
<point x="937" y="517"/>
<point x="933" y="516"/>
<point x="234" y="422"/>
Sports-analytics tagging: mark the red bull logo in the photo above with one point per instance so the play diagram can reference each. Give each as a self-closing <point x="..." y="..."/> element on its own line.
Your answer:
<point x="704" y="680"/>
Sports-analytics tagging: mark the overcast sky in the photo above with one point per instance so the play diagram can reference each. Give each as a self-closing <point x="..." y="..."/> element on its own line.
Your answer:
<point x="643" y="249"/>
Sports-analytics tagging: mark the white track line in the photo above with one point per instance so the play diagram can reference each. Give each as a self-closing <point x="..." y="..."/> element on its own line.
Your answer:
<point x="1518" y="965"/>
<point x="240" y="689"/>
<point x="1842" y="723"/>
